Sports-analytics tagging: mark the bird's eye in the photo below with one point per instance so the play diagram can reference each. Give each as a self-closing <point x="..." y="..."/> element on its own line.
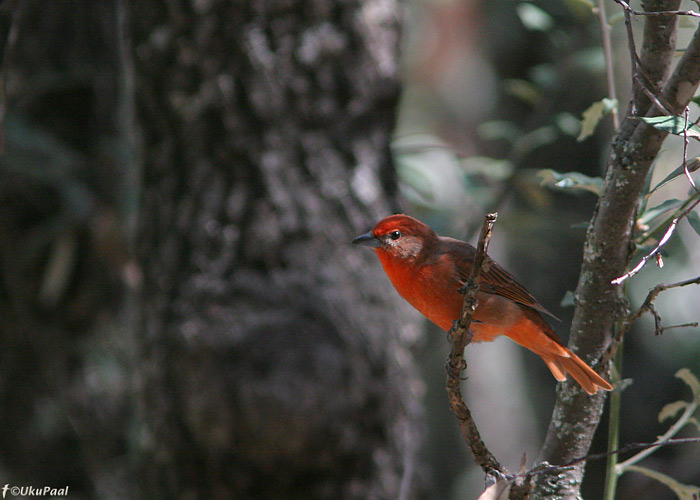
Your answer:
<point x="395" y="235"/>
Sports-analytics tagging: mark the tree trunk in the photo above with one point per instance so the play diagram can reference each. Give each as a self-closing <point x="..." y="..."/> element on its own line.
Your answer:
<point x="609" y="244"/>
<point x="63" y="395"/>
<point x="272" y="361"/>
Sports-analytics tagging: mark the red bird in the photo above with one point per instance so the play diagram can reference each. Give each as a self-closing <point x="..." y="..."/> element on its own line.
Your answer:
<point x="427" y="269"/>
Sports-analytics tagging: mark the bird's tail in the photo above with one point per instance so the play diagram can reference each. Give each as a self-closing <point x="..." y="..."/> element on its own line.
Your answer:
<point x="533" y="332"/>
<point x="565" y="361"/>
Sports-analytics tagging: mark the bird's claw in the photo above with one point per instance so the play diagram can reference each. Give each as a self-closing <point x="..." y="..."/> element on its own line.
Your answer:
<point x="455" y="374"/>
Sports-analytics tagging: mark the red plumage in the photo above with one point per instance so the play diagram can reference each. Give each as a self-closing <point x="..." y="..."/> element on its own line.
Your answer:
<point x="427" y="269"/>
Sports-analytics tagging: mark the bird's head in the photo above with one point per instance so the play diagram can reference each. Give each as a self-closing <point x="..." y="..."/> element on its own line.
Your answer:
<point x="399" y="236"/>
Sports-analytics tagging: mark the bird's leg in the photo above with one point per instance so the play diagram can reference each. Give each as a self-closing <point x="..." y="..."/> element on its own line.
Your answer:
<point x="468" y="285"/>
<point x="456" y="374"/>
<point x="469" y="335"/>
<point x="458" y="327"/>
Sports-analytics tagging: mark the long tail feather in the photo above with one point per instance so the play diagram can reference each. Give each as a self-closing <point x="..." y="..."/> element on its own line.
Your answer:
<point x="586" y="377"/>
<point x="555" y="367"/>
<point x="588" y="373"/>
<point x="532" y="332"/>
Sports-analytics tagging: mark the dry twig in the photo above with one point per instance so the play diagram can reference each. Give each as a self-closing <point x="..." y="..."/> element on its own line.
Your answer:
<point x="461" y="337"/>
<point x="546" y="468"/>
<point x="648" y="305"/>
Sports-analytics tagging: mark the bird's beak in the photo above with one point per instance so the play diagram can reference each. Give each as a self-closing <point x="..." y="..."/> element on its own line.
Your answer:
<point x="367" y="240"/>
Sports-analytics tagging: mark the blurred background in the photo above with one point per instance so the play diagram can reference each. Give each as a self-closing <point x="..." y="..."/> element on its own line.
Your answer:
<point x="488" y="94"/>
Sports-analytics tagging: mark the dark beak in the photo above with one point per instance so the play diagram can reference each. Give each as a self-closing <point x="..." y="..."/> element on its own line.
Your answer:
<point x="367" y="240"/>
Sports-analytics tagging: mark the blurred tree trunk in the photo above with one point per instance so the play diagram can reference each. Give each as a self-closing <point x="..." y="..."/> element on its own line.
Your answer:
<point x="62" y="391"/>
<point x="272" y="362"/>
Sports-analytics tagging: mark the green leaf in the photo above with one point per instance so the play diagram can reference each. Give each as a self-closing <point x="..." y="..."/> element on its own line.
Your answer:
<point x="590" y="60"/>
<point x="652" y="213"/>
<point x="534" y="18"/>
<point x="570" y="180"/>
<point x="616" y="18"/>
<point x="694" y="421"/>
<point x="671" y="410"/>
<point x="523" y="90"/>
<point x="686" y="22"/>
<point x="568" y="300"/>
<point x="689" y="378"/>
<point x="675" y="125"/>
<point x="497" y="130"/>
<point x="493" y="169"/>
<point x="623" y="384"/>
<point x="647" y="184"/>
<point x="682" y="491"/>
<point x="568" y="124"/>
<point x="416" y="180"/>
<point x="582" y="4"/>
<point x="545" y="76"/>
<point x="534" y="139"/>
<point x="593" y="115"/>
<point x="694" y="220"/>
<point x="693" y="164"/>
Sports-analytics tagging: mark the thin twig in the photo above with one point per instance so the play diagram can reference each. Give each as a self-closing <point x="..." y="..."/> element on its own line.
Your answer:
<point x="662" y="440"/>
<point x="667" y="236"/>
<point x="669" y="232"/>
<point x="648" y="305"/>
<point x="661" y="287"/>
<point x="547" y="468"/>
<point x="607" y="51"/>
<point x="461" y="336"/>
<point x="692" y="324"/>
<point x="654" y="96"/>
<point x="672" y="227"/>
<point x="686" y="171"/>
<point x="640" y="78"/>
<point x="626" y="6"/>
<point x="691" y="13"/>
<point x="634" y="58"/>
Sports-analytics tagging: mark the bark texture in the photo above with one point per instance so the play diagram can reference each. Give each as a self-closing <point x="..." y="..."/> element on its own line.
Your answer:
<point x="62" y="390"/>
<point x="271" y="363"/>
<point x="609" y="244"/>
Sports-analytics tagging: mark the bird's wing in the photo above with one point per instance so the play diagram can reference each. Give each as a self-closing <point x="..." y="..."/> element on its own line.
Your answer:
<point x="494" y="279"/>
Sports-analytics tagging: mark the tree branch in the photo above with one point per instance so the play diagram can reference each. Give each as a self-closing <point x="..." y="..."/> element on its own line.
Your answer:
<point x="659" y="443"/>
<point x="683" y="212"/>
<point x="683" y="82"/>
<point x="650" y="69"/>
<point x="607" y="52"/>
<point x="648" y="304"/>
<point x="608" y="248"/>
<point x="667" y="236"/>
<point x="666" y="439"/>
<point x="461" y="337"/>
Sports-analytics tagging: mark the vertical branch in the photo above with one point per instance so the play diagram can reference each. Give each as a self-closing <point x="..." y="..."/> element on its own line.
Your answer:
<point x="614" y="425"/>
<point x="607" y="51"/>
<point x="658" y="48"/>
<point x="461" y="337"/>
<point x="599" y="302"/>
